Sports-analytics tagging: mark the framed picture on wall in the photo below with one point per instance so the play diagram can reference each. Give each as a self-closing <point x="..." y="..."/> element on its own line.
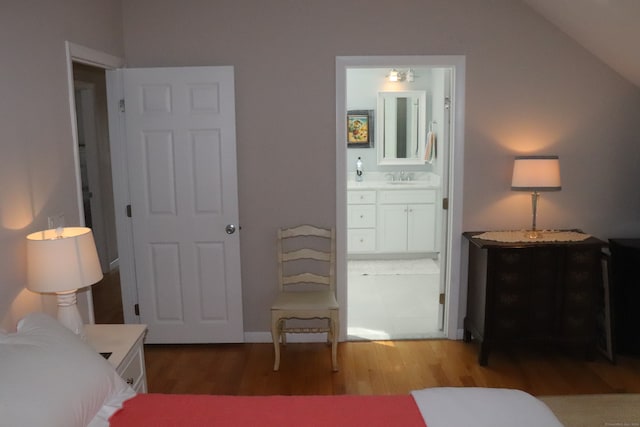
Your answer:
<point x="360" y="127"/>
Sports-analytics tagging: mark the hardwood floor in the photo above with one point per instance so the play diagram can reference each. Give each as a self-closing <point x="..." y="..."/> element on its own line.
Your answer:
<point x="378" y="367"/>
<point x="383" y="367"/>
<point x="107" y="299"/>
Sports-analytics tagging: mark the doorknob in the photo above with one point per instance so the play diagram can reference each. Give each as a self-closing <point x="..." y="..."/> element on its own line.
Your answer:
<point x="230" y="229"/>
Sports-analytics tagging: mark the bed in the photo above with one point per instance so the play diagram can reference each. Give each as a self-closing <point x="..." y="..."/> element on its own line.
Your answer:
<point x="48" y="377"/>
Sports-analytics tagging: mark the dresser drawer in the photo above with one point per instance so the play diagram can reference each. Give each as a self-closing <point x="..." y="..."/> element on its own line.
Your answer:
<point x="361" y="240"/>
<point x="361" y="216"/>
<point x="361" y="197"/>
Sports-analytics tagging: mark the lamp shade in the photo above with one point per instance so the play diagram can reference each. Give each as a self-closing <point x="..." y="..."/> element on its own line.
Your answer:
<point x="62" y="263"/>
<point x="536" y="173"/>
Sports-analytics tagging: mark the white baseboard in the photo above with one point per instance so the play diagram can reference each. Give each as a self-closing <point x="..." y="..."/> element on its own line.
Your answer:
<point x="265" y="337"/>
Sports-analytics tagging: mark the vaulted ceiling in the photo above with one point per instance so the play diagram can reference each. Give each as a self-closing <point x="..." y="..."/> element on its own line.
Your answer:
<point x="610" y="29"/>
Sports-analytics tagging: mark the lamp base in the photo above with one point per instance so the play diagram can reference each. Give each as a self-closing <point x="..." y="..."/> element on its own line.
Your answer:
<point x="68" y="313"/>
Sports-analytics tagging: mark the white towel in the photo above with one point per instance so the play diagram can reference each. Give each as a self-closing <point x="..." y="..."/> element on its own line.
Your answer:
<point x="430" y="150"/>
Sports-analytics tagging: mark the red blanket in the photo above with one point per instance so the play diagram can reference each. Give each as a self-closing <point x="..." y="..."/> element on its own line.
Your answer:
<point x="163" y="410"/>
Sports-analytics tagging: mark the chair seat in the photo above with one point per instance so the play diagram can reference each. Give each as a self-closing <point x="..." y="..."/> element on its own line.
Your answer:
<point x="316" y="300"/>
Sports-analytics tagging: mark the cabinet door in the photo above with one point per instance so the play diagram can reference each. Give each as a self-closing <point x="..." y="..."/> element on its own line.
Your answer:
<point x="421" y="224"/>
<point x="392" y="228"/>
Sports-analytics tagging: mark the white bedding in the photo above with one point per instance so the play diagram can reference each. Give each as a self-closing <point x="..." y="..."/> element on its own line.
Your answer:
<point x="50" y="378"/>
<point x="482" y="407"/>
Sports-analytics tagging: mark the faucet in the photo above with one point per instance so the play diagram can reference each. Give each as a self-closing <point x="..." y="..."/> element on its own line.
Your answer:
<point x="405" y="176"/>
<point x="391" y="176"/>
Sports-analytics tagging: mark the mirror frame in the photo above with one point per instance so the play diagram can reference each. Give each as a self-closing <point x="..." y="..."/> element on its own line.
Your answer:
<point x="422" y="127"/>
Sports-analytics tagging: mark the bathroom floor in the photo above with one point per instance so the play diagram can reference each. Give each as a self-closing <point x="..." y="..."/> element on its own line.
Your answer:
<point x="393" y="299"/>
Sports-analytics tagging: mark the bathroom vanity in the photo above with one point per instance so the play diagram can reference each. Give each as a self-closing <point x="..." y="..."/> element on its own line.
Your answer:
<point x="388" y="217"/>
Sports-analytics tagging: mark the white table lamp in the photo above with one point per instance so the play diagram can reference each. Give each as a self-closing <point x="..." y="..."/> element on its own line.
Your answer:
<point x="62" y="261"/>
<point x="535" y="174"/>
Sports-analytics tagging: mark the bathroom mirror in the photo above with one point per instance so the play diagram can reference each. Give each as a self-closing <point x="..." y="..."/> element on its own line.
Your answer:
<point x="401" y="127"/>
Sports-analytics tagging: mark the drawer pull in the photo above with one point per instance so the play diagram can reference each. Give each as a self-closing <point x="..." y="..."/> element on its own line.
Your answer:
<point x="129" y="381"/>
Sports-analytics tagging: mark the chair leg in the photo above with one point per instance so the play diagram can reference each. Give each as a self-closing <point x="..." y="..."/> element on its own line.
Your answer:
<point x="275" y="336"/>
<point x="334" y="340"/>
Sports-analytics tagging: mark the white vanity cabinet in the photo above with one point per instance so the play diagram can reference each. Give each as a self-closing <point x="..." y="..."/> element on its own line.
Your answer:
<point x="406" y="221"/>
<point x="361" y="220"/>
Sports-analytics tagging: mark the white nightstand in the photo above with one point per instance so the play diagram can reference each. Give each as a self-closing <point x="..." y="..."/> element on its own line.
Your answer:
<point x="125" y="343"/>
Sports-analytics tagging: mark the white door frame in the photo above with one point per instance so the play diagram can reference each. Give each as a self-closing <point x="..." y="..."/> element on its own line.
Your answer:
<point x="95" y="58"/>
<point x="452" y="269"/>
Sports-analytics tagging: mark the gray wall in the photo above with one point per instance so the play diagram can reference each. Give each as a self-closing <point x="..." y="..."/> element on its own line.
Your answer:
<point x="37" y="176"/>
<point x="529" y="89"/>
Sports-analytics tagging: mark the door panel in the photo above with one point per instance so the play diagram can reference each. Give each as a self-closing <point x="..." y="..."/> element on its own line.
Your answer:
<point x="181" y="155"/>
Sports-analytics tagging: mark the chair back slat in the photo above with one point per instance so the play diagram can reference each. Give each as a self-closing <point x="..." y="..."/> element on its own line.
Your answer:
<point x="305" y="230"/>
<point x="297" y="247"/>
<point x="306" y="253"/>
<point x="306" y="278"/>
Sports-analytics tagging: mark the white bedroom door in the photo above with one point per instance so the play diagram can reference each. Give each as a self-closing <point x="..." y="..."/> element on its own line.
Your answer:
<point x="181" y="166"/>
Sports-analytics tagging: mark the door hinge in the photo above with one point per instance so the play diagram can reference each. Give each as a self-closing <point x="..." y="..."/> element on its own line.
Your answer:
<point x="445" y="203"/>
<point x="441" y="301"/>
<point x="136" y="309"/>
<point x="129" y="211"/>
<point x="121" y="105"/>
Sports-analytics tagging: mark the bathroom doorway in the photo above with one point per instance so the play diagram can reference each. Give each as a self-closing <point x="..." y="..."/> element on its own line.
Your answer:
<point x="395" y="251"/>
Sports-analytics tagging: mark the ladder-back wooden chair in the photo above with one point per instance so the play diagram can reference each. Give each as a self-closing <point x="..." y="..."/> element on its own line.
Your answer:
<point x="307" y="284"/>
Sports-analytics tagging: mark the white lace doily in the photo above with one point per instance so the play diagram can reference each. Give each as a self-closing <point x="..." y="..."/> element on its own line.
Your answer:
<point x="516" y="236"/>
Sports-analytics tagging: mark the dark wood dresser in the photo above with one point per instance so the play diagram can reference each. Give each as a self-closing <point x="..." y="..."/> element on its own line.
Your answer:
<point x="625" y="284"/>
<point x="532" y="292"/>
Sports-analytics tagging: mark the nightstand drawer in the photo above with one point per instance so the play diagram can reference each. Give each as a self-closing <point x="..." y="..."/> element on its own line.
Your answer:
<point x="132" y="370"/>
<point x="124" y="343"/>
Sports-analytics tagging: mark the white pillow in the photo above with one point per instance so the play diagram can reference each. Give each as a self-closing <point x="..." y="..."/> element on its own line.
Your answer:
<point x="49" y="377"/>
<point x="482" y="407"/>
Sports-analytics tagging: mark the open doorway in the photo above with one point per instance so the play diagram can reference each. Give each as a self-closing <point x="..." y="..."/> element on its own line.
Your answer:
<point x="390" y="249"/>
<point x="395" y="227"/>
<point x="94" y="158"/>
<point x="88" y="104"/>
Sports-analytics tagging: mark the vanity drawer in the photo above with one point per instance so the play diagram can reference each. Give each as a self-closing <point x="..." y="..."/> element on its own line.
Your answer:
<point x="361" y="240"/>
<point x="407" y="196"/>
<point x="361" y="197"/>
<point x="361" y="216"/>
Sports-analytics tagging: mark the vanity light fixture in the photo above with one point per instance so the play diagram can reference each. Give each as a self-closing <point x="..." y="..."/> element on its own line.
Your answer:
<point x="401" y="76"/>
<point x="410" y="75"/>
<point x="535" y="174"/>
